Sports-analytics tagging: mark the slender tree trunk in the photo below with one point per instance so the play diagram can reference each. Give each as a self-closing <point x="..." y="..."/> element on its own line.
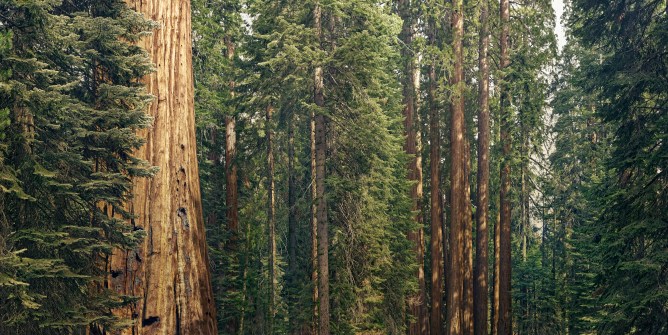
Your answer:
<point x="457" y="179"/>
<point x="271" y="220"/>
<point x="482" y="200"/>
<point x="468" y="240"/>
<point x="231" y="191"/>
<point x="524" y="198"/>
<point x="468" y="235"/>
<point x="525" y="224"/>
<point x="419" y="321"/>
<point x="231" y="188"/>
<point x="292" y="228"/>
<point x="504" y="326"/>
<point x="436" y="244"/>
<point x="323" y="234"/>
<point x="169" y="271"/>
<point x="497" y="268"/>
<point x="317" y="96"/>
<point x="321" y="158"/>
<point x="244" y="286"/>
<point x="314" y="228"/>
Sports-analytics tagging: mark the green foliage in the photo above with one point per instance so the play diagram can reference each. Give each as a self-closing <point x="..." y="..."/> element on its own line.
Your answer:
<point x="608" y="237"/>
<point x="69" y="86"/>
<point x="368" y="206"/>
<point x="628" y="83"/>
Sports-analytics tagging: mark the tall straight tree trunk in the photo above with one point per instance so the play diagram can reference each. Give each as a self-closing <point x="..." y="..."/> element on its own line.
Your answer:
<point x="169" y="271"/>
<point x="504" y="326"/>
<point x="231" y="188"/>
<point x="314" y="228"/>
<point x="495" y="278"/>
<point x="292" y="229"/>
<point x="271" y="220"/>
<point x="321" y="158"/>
<point x="244" y="285"/>
<point x="457" y="179"/>
<point x="482" y="201"/>
<point x="436" y="243"/>
<point x="468" y="240"/>
<point x="323" y="234"/>
<point x="231" y="191"/>
<point x="525" y="221"/>
<point x="419" y="319"/>
<point x="317" y="95"/>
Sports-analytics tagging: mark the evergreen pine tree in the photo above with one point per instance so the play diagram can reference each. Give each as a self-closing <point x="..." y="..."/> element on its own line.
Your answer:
<point x="72" y="106"/>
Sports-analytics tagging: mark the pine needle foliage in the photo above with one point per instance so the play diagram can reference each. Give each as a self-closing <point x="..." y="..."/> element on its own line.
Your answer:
<point x="72" y="105"/>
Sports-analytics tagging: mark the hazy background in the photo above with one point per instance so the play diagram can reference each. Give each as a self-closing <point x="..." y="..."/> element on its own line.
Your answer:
<point x="558" y="6"/>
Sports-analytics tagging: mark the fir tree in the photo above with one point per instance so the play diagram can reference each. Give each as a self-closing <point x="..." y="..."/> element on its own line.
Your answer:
<point x="69" y="86"/>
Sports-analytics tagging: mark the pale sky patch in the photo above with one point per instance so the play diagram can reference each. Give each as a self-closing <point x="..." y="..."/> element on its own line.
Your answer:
<point x="558" y="6"/>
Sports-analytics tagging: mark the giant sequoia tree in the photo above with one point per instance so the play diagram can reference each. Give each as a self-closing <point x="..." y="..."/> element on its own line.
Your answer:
<point x="169" y="272"/>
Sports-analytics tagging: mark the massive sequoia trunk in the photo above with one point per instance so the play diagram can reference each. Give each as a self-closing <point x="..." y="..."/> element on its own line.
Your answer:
<point x="457" y="180"/>
<point x="169" y="271"/>
<point x="504" y="326"/>
<point x="482" y="201"/>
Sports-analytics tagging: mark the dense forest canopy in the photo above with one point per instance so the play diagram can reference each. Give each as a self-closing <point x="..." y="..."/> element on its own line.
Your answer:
<point x="333" y="167"/>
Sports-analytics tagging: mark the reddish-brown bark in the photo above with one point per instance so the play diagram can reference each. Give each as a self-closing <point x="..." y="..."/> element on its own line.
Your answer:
<point x="504" y="326"/>
<point x="169" y="271"/>
<point x="480" y="289"/>
<point x="436" y="242"/>
<point x="416" y="303"/>
<point x="457" y="180"/>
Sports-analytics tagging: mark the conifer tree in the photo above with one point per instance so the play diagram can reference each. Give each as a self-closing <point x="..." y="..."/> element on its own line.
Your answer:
<point x="628" y="82"/>
<point x="215" y="66"/>
<point x="416" y="304"/>
<point x="456" y="318"/>
<point x="71" y="108"/>
<point x="482" y="201"/>
<point x="504" y="324"/>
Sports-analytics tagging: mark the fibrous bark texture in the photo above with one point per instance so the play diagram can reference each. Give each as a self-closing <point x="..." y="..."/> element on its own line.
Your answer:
<point x="169" y="271"/>
<point x="436" y="242"/>
<point x="416" y="303"/>
<point x="482" y="202"/>
<point x="504" y="326"/>
<point x="457" y="180"/>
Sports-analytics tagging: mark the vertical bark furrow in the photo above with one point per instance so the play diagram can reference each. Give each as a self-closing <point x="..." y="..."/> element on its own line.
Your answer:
<point x="436" y="242"/>
<point x="457" y="180"/>
<point x="480" y="290"/>
<point x="419" y="323"/>
<point x="171" y="264"/>
<point x="504" y="326"/>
